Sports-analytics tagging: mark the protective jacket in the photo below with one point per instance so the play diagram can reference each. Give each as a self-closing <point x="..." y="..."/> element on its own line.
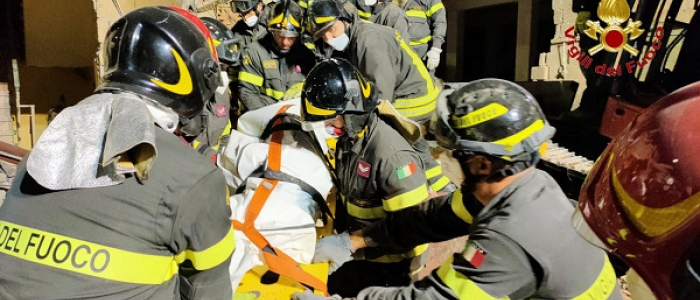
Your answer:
<point x="380" y="174"/>
<point x="392" y="16"/>
<point x="401" y="77"/>
<point x="427" y="21"/>
<point x="216" y="114"/>
<point x="521" y="245"/>
<point x="133" y="240"/>
<point x="265" y="74"/>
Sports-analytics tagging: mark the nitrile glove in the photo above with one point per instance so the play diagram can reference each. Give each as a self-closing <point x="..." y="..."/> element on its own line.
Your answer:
<point x="433" y="58"/>
<point x="334" y="249"/>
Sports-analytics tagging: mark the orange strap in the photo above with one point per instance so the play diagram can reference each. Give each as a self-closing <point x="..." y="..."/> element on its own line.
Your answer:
<point x="277" y="261"/>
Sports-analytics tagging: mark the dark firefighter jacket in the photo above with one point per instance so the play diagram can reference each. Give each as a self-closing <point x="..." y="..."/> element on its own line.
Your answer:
<point x="265" y="75"/>
<point x="384" y="58"/>
<point x="428" y="24"/>
<point x="521" y="245"/>
<point x="128" y="241"/>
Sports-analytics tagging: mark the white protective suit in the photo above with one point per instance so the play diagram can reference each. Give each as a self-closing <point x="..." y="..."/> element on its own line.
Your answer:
<point x="288" y="218"/>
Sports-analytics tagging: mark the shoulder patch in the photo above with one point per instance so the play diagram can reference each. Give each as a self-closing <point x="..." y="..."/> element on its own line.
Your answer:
<point x="474" y="254"/>
<point x="363" y="168"/>
<point x="269" y="64"/>
<point x="406" y="170"/>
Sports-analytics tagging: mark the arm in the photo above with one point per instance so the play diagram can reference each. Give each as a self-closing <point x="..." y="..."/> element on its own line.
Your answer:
<point x="203" y="236"/>
<point x="438" y="22"/>
<point x="250" y="80"/>
<point x="374" y="60"/>
<point x="411" y="217"/>
<point x="505" y="270"/>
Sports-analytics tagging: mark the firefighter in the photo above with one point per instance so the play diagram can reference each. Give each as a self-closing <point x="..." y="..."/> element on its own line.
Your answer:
<point x="427" y="21"/>
<point x="272" y="65"/>
<point x="109" y="203"/>
<point x="640" y="200"/>
<point x="378" y="170"/>
<point x="380" y="54"/>
<point x="218" y="112"/>
<point x="387" y="14"/>
<point x="250" y="27"/>
<point x="521" y="243"/>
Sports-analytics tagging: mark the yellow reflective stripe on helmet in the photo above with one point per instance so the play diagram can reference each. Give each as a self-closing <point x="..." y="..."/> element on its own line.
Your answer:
<point x="481" y="115"/>
<point x="422" y="41"/>
<point x="434" y="171"/>
<point x="460" y="284"/>
<point x="365" y="213"/>
<point x="603" y="286"/>
<point x="391" y="258"/>
<point x="212" y="256"/>
<point x="281" y="19"/>
<point x="406" y="199"/>
<point x="83" y="257"/>
<point x="440" y="184"/>
<point x="250" y="78"/>
<point x="184" y="83"/>
<point x="433" y="9"/>
<point x="272" y="93"/>
<point x="317" y="111"/>
<point x="303" y="4"/>
<point x="416" y="13"/>
<point x="512" y="140"/>
<point x="363" y="14"/>
<point x="321" y="20"/>
<point x="459" y="209"/>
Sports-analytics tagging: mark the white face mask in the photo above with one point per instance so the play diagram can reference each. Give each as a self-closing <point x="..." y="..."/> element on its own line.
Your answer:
<point x="339" y="43"/>
<point x="252" y="21"/>
<point x="370" y="2"/>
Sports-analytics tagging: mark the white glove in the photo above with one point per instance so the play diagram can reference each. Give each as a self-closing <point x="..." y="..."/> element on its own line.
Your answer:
<point x="334" y="249"/>
<point x="309" y="295"/>
<point x="433" y="58"/>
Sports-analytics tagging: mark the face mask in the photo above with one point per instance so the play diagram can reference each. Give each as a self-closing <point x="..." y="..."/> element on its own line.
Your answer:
<point x="334" y="132"/>
<point x="339" y="43"/>
<point x="252" y="21"/>
<point x="370" y="2"/>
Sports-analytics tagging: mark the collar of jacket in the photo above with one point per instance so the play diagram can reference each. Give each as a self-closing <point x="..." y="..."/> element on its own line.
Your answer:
<point x="531" y="179"/>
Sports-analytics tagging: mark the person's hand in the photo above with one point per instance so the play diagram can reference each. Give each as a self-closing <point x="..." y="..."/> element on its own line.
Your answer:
<point x="309" y="295"/>
<point x="433" y="58"/>
<point x="334" y="249"/>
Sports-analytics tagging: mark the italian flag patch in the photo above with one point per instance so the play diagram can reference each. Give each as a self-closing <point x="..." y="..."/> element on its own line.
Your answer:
<point x="474" y="254"/>
<point x="406" y="170"/>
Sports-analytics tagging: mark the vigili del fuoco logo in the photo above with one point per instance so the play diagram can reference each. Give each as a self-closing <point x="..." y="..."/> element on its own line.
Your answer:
<point x="613" y="36"/>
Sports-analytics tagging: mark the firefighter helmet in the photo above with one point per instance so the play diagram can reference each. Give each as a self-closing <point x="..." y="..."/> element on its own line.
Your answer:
<point x="323" y="14"/>
<point x="335" y="87"/>
<point x="244" y="6"/>
<point x="493" y="117"/>
<point x="170" y="62"/>
<point x="223" y="39"/>
<point x="285" y="18"/>
<point x="641" y="200"/>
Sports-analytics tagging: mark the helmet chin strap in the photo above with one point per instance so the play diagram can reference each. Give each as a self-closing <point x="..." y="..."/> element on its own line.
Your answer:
<point x="514" y="168"/>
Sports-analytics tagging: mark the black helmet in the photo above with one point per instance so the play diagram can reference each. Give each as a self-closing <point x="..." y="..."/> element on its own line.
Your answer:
<point x="243" y="6"/>
<point x="223" y="40"/>
<point x="170" y="62"/>
<point x="323" y="14"/>
<point x="493" y="117"/>
<point x="335" y="87"/>
<point x="285" y="18"/>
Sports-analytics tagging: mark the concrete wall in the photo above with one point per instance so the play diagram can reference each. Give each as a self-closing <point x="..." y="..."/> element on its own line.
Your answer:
<point x="62" y="46"/>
